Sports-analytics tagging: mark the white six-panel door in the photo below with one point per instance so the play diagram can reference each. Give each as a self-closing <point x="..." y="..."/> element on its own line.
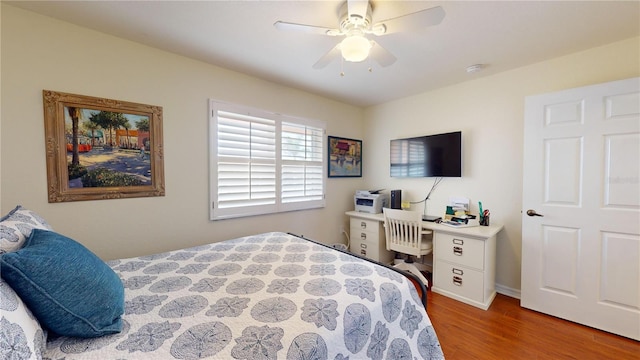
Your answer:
<point x="581" y="258"/>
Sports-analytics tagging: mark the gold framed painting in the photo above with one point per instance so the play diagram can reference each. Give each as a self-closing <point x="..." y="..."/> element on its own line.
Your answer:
<point x="100" y="148"/>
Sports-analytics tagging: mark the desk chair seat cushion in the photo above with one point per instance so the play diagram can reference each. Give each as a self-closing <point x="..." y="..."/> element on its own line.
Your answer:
<point x="426" y="245"/>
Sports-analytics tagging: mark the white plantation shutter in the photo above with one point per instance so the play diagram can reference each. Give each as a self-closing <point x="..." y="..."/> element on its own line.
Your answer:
<point x="246" y="160"/>
<point x="264" y="163"/>
<point x="302" y="165"/>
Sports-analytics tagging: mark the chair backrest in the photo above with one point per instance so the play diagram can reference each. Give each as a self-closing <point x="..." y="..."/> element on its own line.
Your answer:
<point x="403" y="232"/>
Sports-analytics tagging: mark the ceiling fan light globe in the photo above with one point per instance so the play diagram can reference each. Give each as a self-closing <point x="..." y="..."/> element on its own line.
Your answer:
<point x="355" y="48"/>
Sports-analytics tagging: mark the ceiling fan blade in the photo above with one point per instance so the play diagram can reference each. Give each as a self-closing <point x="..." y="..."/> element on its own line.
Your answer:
<point x="309" y="29"/>
<point x="328" y="57"/>
<point x="416" y="20"/>
<point x="381" y="55"/>
<point x="357" y="9"/>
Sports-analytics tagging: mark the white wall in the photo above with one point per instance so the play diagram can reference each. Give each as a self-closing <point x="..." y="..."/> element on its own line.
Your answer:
<point x="490" y="112"/>
<point x="43" y="53"/>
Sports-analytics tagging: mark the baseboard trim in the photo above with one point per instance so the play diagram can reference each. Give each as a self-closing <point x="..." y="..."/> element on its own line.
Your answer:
<point x="505" y="290"/>
<point x="483" y="306"/>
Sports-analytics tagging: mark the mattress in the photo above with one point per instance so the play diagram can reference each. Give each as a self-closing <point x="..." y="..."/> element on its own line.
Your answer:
<point x="265" y="296"/>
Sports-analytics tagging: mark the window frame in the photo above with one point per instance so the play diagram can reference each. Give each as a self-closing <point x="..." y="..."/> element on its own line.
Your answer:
<point x="218" y="213"/>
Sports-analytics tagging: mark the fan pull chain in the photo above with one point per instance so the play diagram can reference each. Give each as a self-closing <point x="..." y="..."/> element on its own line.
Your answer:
<point x="369" y="67"/>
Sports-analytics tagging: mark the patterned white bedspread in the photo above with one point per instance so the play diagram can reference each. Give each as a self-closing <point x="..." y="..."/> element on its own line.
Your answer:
<point x="267" y="296"/>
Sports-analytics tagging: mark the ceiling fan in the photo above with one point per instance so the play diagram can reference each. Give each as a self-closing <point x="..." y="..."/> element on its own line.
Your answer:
<point x="355" y="24"/>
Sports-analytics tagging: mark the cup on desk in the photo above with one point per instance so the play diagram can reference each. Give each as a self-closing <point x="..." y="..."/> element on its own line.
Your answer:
<point x="484" y="218"/>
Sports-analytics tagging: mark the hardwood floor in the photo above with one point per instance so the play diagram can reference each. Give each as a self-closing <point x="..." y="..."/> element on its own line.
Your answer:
<point x="508" y="331"/>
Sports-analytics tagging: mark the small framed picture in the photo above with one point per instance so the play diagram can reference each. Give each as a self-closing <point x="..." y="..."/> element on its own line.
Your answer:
<point x="345" y="157"/>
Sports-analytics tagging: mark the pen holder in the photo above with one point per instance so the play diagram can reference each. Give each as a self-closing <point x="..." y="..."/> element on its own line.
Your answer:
<point x="484" y="221"/>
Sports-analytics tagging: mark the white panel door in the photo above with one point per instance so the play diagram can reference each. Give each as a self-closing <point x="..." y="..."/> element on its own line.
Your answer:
<point x="581" y="198"/>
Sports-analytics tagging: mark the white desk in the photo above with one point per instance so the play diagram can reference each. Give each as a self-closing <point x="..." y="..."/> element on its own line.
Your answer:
<point x="464" y="259"/>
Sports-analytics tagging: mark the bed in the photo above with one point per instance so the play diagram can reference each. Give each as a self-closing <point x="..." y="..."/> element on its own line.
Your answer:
<point x="266" y="296"/>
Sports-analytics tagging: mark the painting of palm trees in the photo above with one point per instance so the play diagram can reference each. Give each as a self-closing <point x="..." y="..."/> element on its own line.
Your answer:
<point x="102" y="149"/>
<point x="106" y="148"/>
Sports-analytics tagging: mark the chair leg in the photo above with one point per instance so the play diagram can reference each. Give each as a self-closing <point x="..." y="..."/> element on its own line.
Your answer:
<point x="414" y="270"/>
<point x="424" y="267"/>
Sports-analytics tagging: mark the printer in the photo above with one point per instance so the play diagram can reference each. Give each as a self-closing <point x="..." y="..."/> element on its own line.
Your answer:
<point x="370" y="201"/>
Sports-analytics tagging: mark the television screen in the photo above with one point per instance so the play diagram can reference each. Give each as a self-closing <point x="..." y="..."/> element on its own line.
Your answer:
<point x="427" y="156"/>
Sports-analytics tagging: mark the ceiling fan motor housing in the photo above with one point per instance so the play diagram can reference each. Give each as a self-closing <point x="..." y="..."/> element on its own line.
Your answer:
<point x="358" y="22"/>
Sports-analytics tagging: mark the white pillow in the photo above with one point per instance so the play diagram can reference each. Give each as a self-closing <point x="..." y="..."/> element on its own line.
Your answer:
<point x="21" y="336"/>
<point x="16" y="226"/>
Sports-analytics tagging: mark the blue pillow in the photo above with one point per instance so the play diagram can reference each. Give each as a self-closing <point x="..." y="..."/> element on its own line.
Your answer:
<point x="69" y="289"/>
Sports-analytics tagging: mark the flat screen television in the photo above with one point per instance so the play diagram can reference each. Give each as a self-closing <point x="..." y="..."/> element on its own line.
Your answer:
<point x="437" y="155"/>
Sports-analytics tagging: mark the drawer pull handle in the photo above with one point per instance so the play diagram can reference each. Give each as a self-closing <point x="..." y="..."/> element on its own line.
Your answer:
<point x="363" y="236"/>
<point x="457" y="280"/>
<point x="457" y="250"/>
<point x="364" y="246"/>
<point x="363" y="225"/>
<point x="458" y="241"/>
<point x="457" y="271"/>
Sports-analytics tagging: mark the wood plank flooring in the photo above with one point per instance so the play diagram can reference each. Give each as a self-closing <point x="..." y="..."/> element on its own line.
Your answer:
<point x="508" y="331"/>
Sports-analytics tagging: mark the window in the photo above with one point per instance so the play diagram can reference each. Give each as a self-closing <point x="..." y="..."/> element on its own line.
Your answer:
<point x="262" y="163"/>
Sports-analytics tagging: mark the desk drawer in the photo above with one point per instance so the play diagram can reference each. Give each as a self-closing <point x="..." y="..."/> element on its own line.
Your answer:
<point x="367" y="248"/>
<point x="367" y="239"/>
<point x="356" y="234"/>
<point x="460" y="250"/>
<point x="365" y="225"/>
<point x="459" y="280"/>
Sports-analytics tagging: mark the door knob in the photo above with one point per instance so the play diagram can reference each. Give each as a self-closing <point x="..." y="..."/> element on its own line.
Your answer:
<point x="532" y="212"/>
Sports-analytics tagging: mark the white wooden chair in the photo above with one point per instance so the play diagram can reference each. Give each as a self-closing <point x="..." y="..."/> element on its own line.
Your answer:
<point x="404" y="234"/>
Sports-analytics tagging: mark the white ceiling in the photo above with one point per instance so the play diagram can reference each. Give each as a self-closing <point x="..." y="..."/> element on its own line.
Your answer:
<point x="239" y="35"/>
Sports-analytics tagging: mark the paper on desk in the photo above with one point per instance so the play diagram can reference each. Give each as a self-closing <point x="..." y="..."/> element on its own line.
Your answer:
<point x="459" y="204"/>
